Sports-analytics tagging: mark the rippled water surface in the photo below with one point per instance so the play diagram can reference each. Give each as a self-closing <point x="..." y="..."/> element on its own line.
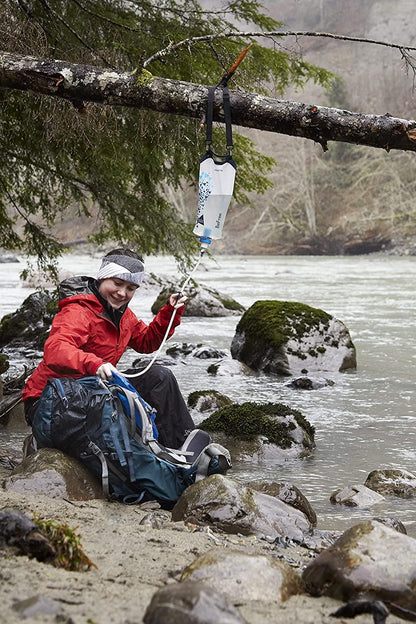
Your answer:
<point x="365" y="421"/>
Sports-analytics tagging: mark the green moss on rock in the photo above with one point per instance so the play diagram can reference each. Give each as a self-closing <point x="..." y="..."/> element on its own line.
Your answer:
<point x="231" y="304"/>
<point x="276" y="322"/>
<point x="252" y="419"/>
<point x="211" y="396"/>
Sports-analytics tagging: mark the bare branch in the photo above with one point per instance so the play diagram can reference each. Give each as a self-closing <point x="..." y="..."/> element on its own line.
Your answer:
<point x="278" y="33"/>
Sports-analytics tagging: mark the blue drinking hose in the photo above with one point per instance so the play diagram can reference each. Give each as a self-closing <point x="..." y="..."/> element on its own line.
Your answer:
<point x="204" y="245"/>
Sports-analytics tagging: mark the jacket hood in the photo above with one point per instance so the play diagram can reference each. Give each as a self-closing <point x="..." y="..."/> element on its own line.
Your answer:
<point x="84" y="290"/>
<point x="79" y="285"/>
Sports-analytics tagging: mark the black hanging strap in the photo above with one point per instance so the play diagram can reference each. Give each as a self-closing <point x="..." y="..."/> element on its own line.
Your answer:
<point x="227" y="117"/>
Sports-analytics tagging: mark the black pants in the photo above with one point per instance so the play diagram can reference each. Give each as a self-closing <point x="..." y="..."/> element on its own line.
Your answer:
<point x="159" y="387"/>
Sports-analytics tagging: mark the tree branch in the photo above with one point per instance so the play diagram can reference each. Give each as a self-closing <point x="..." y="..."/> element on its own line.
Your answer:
<point x="278" y="33"/>
<point x="114" y="88"/>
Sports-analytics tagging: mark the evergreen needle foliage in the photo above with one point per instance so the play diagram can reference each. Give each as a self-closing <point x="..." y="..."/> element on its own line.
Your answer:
<point x="118" y="165"/>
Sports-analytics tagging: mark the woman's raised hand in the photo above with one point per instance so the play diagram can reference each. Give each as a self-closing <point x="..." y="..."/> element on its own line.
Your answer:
<point x="105" y="371"/>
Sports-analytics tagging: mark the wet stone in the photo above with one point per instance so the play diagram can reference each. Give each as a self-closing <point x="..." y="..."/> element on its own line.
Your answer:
<point x="356" y="496"/>
<point x="393" y="523"/>
<point x="245" y="577"/>
<point x="54" y="474"/>
<point x="289" y="494"/>
<point x="308" y="383"/>
<point x="207" y="400"/>
<point x="21" y="533"/>
<point x="392" y="482"/>
<point x="235" y="508"/>
<point x="202" y="301"/>
<point x="191" y="603"/>
<point x="256" y="432"/>
<point x="370" y="559"/>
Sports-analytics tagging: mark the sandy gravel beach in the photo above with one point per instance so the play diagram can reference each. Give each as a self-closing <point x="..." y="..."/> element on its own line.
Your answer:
<point x="136" y="550"/>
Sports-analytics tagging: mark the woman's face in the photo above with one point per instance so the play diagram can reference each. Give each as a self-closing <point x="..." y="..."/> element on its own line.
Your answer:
<point x="118" y="292"/>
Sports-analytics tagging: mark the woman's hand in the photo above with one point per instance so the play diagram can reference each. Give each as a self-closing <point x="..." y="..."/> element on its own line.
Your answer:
<point x="177" y="300"/>
<point x="105" y="371"/>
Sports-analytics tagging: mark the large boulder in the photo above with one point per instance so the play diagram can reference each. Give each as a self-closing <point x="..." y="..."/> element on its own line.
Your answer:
<point x="244" y="577"/>
<point x="288" y="338"/>
<point x="202" y="301"/>
<point x="29" y="326"/>
<point x="235" y="508"/>
<point x="261" y="432"/>
<point x="54" y="474"/>
<point x="369" y="560"/>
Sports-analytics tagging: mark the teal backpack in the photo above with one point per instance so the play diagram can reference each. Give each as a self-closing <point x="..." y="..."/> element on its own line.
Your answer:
<point x="111" y="429"/>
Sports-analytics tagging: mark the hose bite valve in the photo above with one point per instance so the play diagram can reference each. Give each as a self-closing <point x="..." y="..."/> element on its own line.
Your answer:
<point x="205" y="243"/>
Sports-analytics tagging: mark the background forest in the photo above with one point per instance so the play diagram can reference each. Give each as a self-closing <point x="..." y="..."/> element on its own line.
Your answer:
<point x="350" y="198"/>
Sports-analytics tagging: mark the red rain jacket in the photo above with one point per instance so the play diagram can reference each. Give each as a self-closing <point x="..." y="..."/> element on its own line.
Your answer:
<point x="83" y="337"/>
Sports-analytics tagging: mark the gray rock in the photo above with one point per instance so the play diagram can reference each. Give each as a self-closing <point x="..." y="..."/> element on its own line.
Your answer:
<point x="191" y="603"/>
<point x="54" y="474"/>
<point x="260" y="433"/>
<point x="22" y="534"/>
<point x="392" y="482"/>
<point x="308" y="383"/>
<point x="178" y="349"/>
<point x="258" y="450"/>
<point x="143" y="361"/>
<point x="207" y="400"/>
<point x="199" y="351"/>
<point x="288" y="338"/>
<point x="202" y="301"/>
<point x="235" y="508"/>
<point x="289" y="494"/>
<point x="397" y="525"/>
<point x="320" y="540"/>
<point x="369" y="559"/>
<point x="36" y="606"/>
<point x="356" y="496"/>
<point x="244" y="577"/>
<point x="228" y="368"/>
<point x="30" y="324"/>
<point x="208" y="353"/>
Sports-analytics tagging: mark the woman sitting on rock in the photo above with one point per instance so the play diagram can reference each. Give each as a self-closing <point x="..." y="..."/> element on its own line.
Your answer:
<point x="93" y="328"/>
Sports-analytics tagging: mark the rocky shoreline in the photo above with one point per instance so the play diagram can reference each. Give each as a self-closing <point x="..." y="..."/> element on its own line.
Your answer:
<point x="137" y="551"/>
<point x="193" y="565"/>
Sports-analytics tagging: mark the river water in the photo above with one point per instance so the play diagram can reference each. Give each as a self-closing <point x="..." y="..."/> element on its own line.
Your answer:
<point x="365" y="421"/>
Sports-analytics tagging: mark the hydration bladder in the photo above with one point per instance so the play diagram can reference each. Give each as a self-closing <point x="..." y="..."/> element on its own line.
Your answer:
<point x="216" y="178"/>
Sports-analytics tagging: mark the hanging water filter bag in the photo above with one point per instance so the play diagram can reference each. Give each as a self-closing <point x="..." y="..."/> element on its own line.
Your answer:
<point x="216" y="179"/>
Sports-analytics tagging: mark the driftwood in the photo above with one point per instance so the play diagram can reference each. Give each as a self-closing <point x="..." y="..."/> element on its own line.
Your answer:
<point x="82" y="84"/>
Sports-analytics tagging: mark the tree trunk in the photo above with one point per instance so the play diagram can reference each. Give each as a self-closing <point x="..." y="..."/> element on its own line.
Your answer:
<point x="81" y="84"/>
